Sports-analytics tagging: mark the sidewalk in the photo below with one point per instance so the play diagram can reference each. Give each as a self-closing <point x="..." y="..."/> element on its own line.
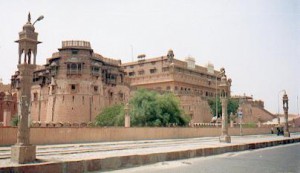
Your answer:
<point x="113" y="155"/>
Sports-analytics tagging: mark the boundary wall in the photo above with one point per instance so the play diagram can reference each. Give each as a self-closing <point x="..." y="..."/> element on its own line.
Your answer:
<point x="46" y="135"/>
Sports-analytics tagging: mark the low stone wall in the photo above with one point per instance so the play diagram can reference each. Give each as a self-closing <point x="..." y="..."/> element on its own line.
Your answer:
<point x="48" y="135"/>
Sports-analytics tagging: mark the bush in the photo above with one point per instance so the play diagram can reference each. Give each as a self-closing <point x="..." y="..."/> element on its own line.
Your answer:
<point x="249" y="125"/>
<point x="14" y="121"/>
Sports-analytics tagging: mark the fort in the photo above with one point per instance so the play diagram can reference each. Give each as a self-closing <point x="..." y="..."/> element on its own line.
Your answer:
<point x="76" y="84"/>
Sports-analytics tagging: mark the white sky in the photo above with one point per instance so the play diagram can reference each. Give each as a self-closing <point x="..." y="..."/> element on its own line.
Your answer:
<point x="257" y="41"/>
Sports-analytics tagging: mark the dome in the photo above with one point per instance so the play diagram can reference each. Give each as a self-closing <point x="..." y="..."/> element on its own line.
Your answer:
<point x="229" y="80"/>
<point x="170" y="52"/>
<point x="28" y="26"/>
<point x="224" y="78"/>
<point x="222" y="69"/>
<point x="53" y="64"/>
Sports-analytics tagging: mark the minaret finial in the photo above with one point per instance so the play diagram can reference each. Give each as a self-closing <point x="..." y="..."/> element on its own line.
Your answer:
<point x="29" y="18"/>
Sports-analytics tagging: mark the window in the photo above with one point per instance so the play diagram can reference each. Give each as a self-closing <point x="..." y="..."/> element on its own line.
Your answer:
<point x="74" y="68"/>
<point x="168" y="87"/>
<point x="95" y="71"/>
<point x="52" y="89"/>
<point x="54" y="67"/>
<point x="131" y="66"/>
<point x="35" y="96"/>
<point x="141" y="72"/>
<point x="152" y="71"/>
<point x="153" y="63"/>
<point x="95" y="88"/>
<point x="131" y="73"/>
<point x="165" y="69"/>
<point x="73" y="87"/>
<point x="74" y="52"/>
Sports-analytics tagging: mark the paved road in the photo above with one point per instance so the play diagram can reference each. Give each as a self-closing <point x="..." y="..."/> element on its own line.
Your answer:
<point x="73" y="152"/>
<point x="279" y="159"/>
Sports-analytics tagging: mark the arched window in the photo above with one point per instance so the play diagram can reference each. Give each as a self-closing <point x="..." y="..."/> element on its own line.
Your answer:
<point x="74" y="65"/>
<point x="74" y="68"/>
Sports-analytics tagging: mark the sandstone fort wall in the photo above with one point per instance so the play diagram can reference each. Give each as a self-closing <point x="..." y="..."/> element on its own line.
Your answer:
<point x="41" y="136"/>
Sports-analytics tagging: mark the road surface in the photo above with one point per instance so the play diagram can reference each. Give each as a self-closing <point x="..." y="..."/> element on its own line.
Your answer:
<point x="279" y="159"/>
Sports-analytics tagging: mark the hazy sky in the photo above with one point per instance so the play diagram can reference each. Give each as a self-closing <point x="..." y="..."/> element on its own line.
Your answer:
<point x="257" y="41"/>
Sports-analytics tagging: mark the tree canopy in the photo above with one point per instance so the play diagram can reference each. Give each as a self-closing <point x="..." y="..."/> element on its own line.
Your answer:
<point x="231" y="107"/>
<point x="147" y="108"/>
<point x="110" y="116"/>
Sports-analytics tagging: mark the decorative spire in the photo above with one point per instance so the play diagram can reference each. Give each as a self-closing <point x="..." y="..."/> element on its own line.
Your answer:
<point x="29" y="18"/>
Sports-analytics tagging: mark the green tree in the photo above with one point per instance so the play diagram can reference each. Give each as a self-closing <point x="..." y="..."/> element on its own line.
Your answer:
<point x="15" y="121"/>
<point x="170" y="112"/>
<point x="111" y="116"/>
<point x="148" y="108"/>
<point x="143" y="107"/>
<point x="231" y="107"/>
<point x="212" y="104"/>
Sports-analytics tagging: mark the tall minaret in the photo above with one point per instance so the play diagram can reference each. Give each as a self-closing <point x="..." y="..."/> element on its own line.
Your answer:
<point x="28" y="43"/>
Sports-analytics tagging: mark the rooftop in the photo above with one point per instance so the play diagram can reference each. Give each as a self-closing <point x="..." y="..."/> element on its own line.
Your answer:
<point x="76" y="44"/>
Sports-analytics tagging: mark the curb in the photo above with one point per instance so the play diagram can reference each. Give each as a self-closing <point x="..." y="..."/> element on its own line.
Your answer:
<point x="118" y="162"/>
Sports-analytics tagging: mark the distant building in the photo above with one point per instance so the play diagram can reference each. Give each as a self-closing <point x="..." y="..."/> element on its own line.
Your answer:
<point x="294" y="120"/>
<point x="8" y="101"/>
<point x="193" y="84"/>
<point x="253" y="110"/>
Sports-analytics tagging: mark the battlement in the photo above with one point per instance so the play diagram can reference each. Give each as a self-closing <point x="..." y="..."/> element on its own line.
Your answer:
<point x="76" y="44"/>
<point x="116" y="62"/>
